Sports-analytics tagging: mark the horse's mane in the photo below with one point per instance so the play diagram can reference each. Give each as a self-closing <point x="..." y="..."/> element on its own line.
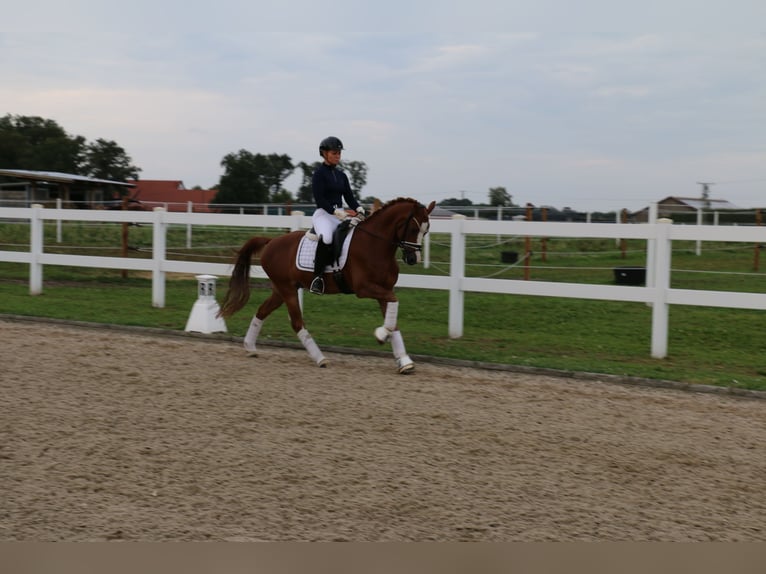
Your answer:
<point x="393" y="202"/>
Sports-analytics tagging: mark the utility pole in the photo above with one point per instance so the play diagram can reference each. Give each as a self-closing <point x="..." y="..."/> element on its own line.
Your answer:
<point x="706" y="192"/>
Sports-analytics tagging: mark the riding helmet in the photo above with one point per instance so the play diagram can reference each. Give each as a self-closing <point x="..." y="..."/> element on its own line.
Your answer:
<point x="330" y="144"/>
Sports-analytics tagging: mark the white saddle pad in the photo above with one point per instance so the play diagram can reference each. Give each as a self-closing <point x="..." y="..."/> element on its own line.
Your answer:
<point x="307" y="248"/>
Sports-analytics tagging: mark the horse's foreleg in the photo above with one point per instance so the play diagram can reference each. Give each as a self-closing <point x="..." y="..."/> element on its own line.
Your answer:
<point x="390" y="311"/>
<point x="389" y="331"/>
<point x="403" y="361"/>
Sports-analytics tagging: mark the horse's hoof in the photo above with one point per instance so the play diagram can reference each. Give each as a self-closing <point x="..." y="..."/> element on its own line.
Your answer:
<point x="322" y="364"/>
<point x="251" y="354"/>
<point x="405" y="365"/>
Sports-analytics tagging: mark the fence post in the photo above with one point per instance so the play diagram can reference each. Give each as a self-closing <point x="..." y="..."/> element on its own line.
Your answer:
<point x="651" y="246"/>
<point x="36" y="248"/>
<point x="159" y="249"/>
<point x="297" y="222"/>
<point x="58" y="220"/>
<point x="662" y="263"/>
<point x="456" y="272"/>
<point x="757" y="252"/>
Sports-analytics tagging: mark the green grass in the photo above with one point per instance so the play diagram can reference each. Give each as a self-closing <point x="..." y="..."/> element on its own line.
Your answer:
<point x="723" y="347"/>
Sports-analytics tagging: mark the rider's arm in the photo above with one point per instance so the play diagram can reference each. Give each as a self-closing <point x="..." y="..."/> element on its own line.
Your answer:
<point x="318" y="188"/>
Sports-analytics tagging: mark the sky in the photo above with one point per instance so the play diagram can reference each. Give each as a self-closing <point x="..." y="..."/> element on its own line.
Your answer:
<point x="596" y="105"/>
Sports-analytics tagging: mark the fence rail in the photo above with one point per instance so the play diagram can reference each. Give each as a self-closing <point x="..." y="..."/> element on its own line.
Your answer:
<point x="657" y="293"/>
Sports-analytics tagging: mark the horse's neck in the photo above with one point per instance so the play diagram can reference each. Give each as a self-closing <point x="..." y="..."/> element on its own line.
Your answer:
<point x="384" y="225"/>
<point x="389" y="218"/>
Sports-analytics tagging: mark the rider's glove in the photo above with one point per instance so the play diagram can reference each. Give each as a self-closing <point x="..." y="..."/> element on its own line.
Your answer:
<point x="340" y="214"/>
<point x="360" y="213"/>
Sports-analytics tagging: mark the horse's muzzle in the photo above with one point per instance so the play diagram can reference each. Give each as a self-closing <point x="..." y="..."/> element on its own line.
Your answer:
<point x="411" y="257"/>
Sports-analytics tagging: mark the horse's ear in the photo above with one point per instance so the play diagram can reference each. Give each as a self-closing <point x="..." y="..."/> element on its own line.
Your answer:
<point x="430" y="207"/>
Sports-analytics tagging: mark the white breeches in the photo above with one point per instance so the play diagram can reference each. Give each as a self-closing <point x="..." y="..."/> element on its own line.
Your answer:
<point x="324" y="224"/>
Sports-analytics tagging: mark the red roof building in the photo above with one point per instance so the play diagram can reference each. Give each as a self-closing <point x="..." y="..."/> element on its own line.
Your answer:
<point x="172" y="195"/>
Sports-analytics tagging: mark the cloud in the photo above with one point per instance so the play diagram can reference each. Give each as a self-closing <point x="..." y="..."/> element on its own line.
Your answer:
<point x="622" y="91"/>
<point x="562" y="103"/>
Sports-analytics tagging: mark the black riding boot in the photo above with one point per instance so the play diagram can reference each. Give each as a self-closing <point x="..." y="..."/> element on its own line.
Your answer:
<point x="321" y="260"/>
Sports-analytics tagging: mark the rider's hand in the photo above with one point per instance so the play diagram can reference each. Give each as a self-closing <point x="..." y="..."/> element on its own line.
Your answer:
<point x="340" y="214"/>
<point x="360" y="213"/>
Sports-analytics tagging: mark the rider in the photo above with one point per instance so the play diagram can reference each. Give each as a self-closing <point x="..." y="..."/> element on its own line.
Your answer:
<point x="330" y="187"/>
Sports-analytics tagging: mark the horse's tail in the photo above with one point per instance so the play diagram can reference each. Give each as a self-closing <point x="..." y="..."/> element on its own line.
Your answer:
<point x="239" y="284"/>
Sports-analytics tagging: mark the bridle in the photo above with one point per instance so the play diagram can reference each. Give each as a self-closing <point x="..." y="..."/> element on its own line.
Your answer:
<point x="412" y="247"/>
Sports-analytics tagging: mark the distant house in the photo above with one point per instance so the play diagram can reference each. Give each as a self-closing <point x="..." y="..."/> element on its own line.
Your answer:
<point x="672" y="204"/>
<point x="441" y="213"/>
<point x="24" y="187"/>
<point x="171" y="194"/>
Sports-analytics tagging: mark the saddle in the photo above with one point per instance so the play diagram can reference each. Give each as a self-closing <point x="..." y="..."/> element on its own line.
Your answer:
<point x="340" y="240"/>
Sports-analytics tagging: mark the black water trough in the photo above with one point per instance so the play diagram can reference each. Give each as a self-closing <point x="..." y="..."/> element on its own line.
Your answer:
<point x="630" y="275"/>
<point x="509" y="256"/>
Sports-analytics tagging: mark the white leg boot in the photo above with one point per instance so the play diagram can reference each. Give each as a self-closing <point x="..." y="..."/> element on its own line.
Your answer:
<point x="312" y="348"/>
<point x="404" y="364"/>
<point x="252" y="336"/>
<point x="383" y="334"/>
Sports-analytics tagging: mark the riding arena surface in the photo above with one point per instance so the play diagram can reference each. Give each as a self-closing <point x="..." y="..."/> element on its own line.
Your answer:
<point x="111" y="434"/>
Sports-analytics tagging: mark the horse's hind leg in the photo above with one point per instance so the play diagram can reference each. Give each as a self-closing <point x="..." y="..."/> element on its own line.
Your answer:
<point x="266" y="308"/>
<point x="296" y="319"/>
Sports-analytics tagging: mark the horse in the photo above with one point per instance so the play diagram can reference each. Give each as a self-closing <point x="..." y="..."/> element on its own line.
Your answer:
<point x="370" y="271"/>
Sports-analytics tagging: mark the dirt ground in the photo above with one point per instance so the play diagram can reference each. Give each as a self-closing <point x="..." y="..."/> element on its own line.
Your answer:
<point x="115" y="435"/>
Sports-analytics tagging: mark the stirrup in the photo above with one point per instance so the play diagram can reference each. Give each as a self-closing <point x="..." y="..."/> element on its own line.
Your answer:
<point x="317" y="285"/>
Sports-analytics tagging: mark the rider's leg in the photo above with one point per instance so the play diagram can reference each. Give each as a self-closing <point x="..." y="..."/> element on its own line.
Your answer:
<point x="321" y="260"/>
<point x="324" y="225"/>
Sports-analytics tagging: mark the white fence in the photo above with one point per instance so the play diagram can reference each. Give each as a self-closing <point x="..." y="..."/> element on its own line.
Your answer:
<point x="657" y="292"/>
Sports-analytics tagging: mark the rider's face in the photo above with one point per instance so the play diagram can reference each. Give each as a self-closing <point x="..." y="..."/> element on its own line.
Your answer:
<point x="332" y="157"/>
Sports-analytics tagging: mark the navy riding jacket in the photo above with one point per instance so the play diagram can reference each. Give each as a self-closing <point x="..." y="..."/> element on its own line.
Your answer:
<point x="330" y="187"/>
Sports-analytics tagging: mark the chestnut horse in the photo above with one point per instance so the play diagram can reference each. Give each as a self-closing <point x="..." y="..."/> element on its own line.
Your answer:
<point x="370" y="271"/>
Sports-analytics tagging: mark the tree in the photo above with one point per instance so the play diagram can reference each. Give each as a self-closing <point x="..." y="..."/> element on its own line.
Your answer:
<point x="252" y="178"/>
<point x="355" y="170"/>
<point x="38" y="144"/>
<point x="455" y="201"/>
<point x="305" y="195"/>
<point x="498" y="196"/>
<point x="357" y="175"/>
<point x="34" y="143"/>
<point x="282" y="196"/>
<point x="106" y="160"/>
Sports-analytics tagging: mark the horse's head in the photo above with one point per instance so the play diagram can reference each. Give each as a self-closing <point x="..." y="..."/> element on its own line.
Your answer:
<point x="415" y="229"/>
<point x="403" y="222"/>
<point x="411" y="231"/>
